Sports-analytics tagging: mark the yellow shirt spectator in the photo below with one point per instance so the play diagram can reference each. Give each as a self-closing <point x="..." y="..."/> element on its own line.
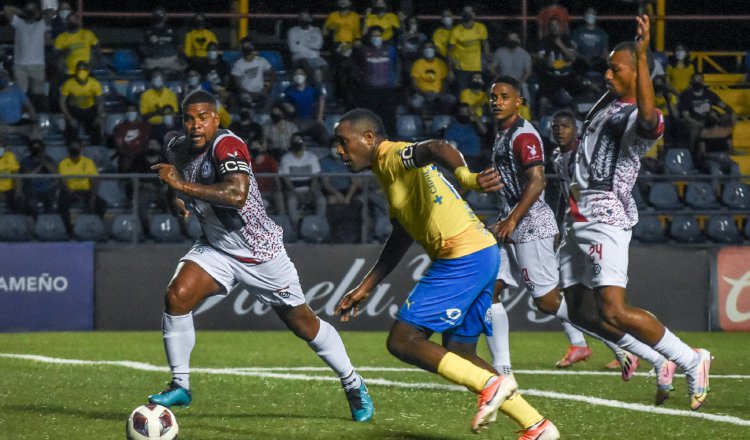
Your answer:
<point x="476" y="99"/>
<point x="389" y="21"/>
<point x="79" y="95"/>
<point x="81" y="165"/>
<point x="345" y="27"/>
<point x="466" y="46"/>
<point x="196" y="42"/>
<point x="440" y="39"/>
<point x="153" y="100"/>
<point x="77" y="45"/>
<point x="429" y="75"/>
<point x="8" y="165"/>
<point x="679" y="77"/>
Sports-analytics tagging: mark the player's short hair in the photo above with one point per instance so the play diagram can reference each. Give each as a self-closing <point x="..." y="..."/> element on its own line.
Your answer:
<point x="507" y="79"/>
<point x="359" y="115"/>
<point x="198" y="97"/>
<point x="564" y="113"/>
<point x="631" y="47"/>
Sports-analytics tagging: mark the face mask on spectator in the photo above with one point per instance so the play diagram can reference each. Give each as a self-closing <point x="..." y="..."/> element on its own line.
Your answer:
<point x="429" y="53"/>
<point x="463" y="118"/>
<point x="680" y="55"/>
<point x="131" y="116"/>
<point x="194" y="80"/>
<point x="297" y="145"/>
<point x="467" y="18"/>
<point x="63" y="13"/>
<point x="299" y="79"/>
<point x="152" y="156"/>
<point x="72" y="26"/>
<point x="477" y="85"/>
<point x="589" y="18"/>
<point x="305" y="24"/>
<point x="378" y="9"/>
<point x="212" y="54"/>
<point x="696" y="85"/>
<point x="158" y="82"/>
<point x="168" y="120"/>
<point x="82" y="74"/>
<point x="74" y="152"/>
<point x="376" y="41"/>
<point x="447" y="21"/>
<point x="247" y="49"/>
<point x="276" y="116"/>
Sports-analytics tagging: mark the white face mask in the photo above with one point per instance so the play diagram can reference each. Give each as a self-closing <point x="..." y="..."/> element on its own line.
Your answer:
<point x="158" y="82"/>
<point x="168" y="120"/>
<point x="194" y="81"/>
<point x="2" y="151"/>
<point x="590" y="18"/>
<point x="212" y="54"/>
<point x="376" y="41"/>
<point x="429" y="53"/>
<point x="299" y="79"/>
<point x="63" y="13"/>
<point x="447" y="21"/>
<point x="131" y="116"/>
<point x="680" y="54"/>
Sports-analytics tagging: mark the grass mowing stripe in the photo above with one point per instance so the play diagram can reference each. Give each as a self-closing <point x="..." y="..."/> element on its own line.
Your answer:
<point x="389" y="383"/>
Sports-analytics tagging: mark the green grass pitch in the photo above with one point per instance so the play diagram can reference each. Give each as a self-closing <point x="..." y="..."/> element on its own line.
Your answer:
<point x="251" y="385"/>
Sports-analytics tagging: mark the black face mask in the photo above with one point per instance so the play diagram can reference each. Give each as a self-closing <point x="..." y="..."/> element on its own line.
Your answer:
<point x="463" y="119"/>
<point x="305" y="24"/>
<point x="297" y="146"/>
<point x="74" y="152"/>
<point x="696" y="86"/>
<point x="476" y="85"/>
<point x="247" y="50"/>
<point x="72" y="26"/>
<point x="378" y="10"/>
<point x="35" y="151"/>
<point x="276" y="117"/>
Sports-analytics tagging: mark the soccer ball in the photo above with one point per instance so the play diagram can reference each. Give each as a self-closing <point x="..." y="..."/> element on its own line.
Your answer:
<point x="151" y="422"/>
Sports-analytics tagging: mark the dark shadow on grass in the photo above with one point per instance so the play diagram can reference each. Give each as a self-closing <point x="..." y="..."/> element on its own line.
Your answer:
<point x="59" y="410"/>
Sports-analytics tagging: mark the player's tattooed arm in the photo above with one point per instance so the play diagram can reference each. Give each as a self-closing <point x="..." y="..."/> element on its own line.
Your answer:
<point x="230" y="192"/>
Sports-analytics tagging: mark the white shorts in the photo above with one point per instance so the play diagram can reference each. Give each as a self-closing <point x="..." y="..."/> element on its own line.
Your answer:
<point x="275" y="282"/>
<point x="594" y="254"/>
<point x="532" y="264"/>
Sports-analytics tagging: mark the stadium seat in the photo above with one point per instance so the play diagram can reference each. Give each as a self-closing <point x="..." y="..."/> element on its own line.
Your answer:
<point x="231" y="56"/>
<point x="274" y="57"/>
<point x="125" y="227"/>
<point x="741" y="137"/>
<point x="649" y="230"/>
<point x="56" y="152"/>
<point x="89" y="227"/>
<point x="736" y="195"/>
<point x="111" y="121"/>
<point x="663" y="195"/>
<point x="126" y="61"/>
<point x="679" y="161"/>
<point x="439" y="124"/>
<point x="176" y="87"/>
<point x="164" y="228"/>
<point x="14" y="227"/>
<point x="382" y="227"/>
<point x="134" y="89"/>
<point x="101" y="155"/>
<point x="685" y="229"/>
<point x="193" y="227"/>
<point x="723" y="229"/>
<point x="743" y="163"/>
<point x="314" y="229"/>
<point x="290" y="235"/>
<point x="409" y="127"/>
<point x="112" y="191"/>
<point x="330" y="121"/>
<point x="700" y="195"/>
<point x="50" y="227"/>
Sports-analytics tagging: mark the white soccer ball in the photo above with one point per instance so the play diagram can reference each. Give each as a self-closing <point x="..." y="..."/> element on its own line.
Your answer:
<point x="151" y="422"/>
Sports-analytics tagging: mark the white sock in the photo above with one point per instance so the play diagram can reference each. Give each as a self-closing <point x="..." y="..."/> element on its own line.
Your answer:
<point x="329" y="347"/>
<point x="498" y="342"/>
<point x="574" y="333"/>
<point x="562" y="313"/>
<point x="641" y="350"/>
<point x="677" y="351"/>
<point x="179" y="339"/>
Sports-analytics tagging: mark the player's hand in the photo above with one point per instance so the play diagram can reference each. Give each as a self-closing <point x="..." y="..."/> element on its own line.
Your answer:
<point x="167" y="173"/>
<point x="503" y="229"/>
<point x="348" y="307"/>
<point x="489" y="180"/>
<point x="643" y="34"/>
<point x="182" y="211"/>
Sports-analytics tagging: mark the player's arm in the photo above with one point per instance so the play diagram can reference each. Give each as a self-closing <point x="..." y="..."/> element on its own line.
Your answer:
<point x="443" y="153"/>
<point x="394" y="249"/>
<point x="176" y="204"/>
<point x="647" y="112"/>
<point x="230" y="192"/>
<point x="530" y="194"/>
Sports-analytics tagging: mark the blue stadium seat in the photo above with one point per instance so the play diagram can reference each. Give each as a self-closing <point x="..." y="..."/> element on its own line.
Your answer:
<point x="382" y="228"/>
<point x="314" y="228"/>
<point x="330" y="121"/>
<point x="700" y="195"/>
<point x="165" y="228"/>
<point x="723" y="229"/>
<point x="101" y="155"/>
<point x="112" y="191"/>
<point x="125" y="227"/>
<point x="56" y="152"/>
<point x="111" y="121"/>
<point x="685" y="229"/>
<point x="176" y="87"/>
<point x="649" y="230"/>
<point x="290" y="235"/>
<point x="736" y="195"/>
<point x="50" y="227"/>
<point x="89" y="227"/>
<point x="274" y="57"/>
<point x="679" y="161"/>
<point x="231" y="56"/>
<point x="14" y="227"/>
<point x="663" y="195"/>
<point x="134" y="89"/>
<point x="439" y="124"/>
<point x="410" y="127"/>
<point x="126" y="61"/>
<point x="193" y="227"/>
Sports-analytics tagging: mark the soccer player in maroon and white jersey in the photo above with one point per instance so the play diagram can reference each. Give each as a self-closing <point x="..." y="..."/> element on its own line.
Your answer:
<point x="241" y="245"/>
<point x="602" y="213"/>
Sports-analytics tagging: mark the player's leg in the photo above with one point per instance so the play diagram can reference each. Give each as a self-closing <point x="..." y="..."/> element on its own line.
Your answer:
<point x="498" y="341"/>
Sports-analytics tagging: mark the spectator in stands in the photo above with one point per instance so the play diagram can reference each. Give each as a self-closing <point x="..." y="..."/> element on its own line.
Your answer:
<point x="253" y="76"/>
<point x="344" y="210"/>
<point x="193" y="82"/>
<point x="410" y="43"/>
<point x="278" y="131"/>
<point x="379" y="15"/>
<point x="247" y="129"/>
<point x="345" y="28"/>
<point x="17" y="114"/>
<point x="680" y="70"/>
<point x="378" y="66"/>
<point x="168" y="123"/>
<point x="76" y="44"/>
<point x="591" y="44"/>
<point x="213" y="66"/>
<point x="160" y="46"/>
<point x="552" y="10"/>
<point x="466" y="48"/>
<point x="442" y="34"/>
<point x="28" y="50"/>
<point x="81" y="103"/>
<point x="58" y="17"/>
<point x="269" y="186"/>
<point x="78" y="190"/>
<point x="154" y="99"/>
<point x="299" y="168"/>
<point x="557" y="56"/>
<point x="466" y="131"/>
<point x="129" y="138"/>
<point x="305" y="42"/>
<point x="429" y="80"/>
<point x="197" y="40"/>
<point x="511" y="59"/>
<point x="8" y="186"/>
<point x="475" y="96"/>
<point x="309" y="107"/>
<point x="39" y="194"/>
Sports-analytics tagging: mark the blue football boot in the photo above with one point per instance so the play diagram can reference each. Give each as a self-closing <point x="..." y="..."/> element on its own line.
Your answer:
<point x="174" y="395"/>
<point x="360" y="403"/>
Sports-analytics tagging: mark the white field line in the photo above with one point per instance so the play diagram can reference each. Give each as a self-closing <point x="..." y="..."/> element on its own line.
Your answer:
<point x="269" y="373"/>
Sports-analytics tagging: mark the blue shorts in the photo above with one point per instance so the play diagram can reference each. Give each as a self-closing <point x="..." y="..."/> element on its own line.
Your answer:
<point x="454" y="295"/>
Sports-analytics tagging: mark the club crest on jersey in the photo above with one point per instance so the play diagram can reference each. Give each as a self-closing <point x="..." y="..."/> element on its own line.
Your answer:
<point x="452" y="315"/>
<point x="597" y="269"/>
<point x="206" y="169"/>
<point x="530" y="286"/>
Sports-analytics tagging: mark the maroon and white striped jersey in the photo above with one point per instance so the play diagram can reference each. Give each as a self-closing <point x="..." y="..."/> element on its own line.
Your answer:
<point x="518" y="148"/>
<point x="247" y="234"/>
<point x="607" y="164"/>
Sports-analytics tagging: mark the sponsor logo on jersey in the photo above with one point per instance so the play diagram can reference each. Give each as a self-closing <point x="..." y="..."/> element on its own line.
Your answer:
<point x="206" y="169"/>
<point x="452" y="315"/>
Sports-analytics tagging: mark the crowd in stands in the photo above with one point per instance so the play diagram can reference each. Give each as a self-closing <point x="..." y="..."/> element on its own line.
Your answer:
<point x="62" y="91"/>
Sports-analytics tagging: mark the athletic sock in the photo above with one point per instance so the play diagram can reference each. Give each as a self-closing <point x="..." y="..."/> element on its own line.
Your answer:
<point x="328" y="345"/>
<point x="518" y="409"/>
<point x="462" y="372"/>
<point x="179" y="339"/>
<point x="575" y="336"/>
<point x="498" y="343"/>
<point x="643" y="351"/>
<point x="677" y="351"/>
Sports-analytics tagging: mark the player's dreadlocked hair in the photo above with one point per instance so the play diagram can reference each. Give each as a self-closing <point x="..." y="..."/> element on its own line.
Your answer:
<point x="360" y="114"/>
<point x="198" y="97"/>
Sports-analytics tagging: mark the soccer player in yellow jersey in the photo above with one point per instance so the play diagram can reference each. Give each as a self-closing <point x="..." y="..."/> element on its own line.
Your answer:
<point x="454" y="294"/>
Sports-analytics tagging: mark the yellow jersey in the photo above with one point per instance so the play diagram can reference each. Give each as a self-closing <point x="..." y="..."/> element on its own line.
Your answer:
<point x="345" y="27"/>
<point x="679" y="77"/>
<point x="389" y="21"/>
<point x="79" y="95"/>
<point x="429" y="75"/>
<point x="152" y="99"/>
<point x="440" y="40"/>
<point x="196" y="42"/>
<point x="427" y="206"/>
<point x="467" y="46"/>
<point x="8" y="165"/>
<point x="475" y="99"/>
<point x="83" y="166"/>
<point x="78" y="45"/>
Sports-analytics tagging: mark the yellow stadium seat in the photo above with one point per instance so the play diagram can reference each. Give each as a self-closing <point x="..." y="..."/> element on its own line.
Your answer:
<point x="738" y="99"/>
<point x="723" y="79"/>
<point x="741" y="137"/>
<point x="744" y="163"/>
